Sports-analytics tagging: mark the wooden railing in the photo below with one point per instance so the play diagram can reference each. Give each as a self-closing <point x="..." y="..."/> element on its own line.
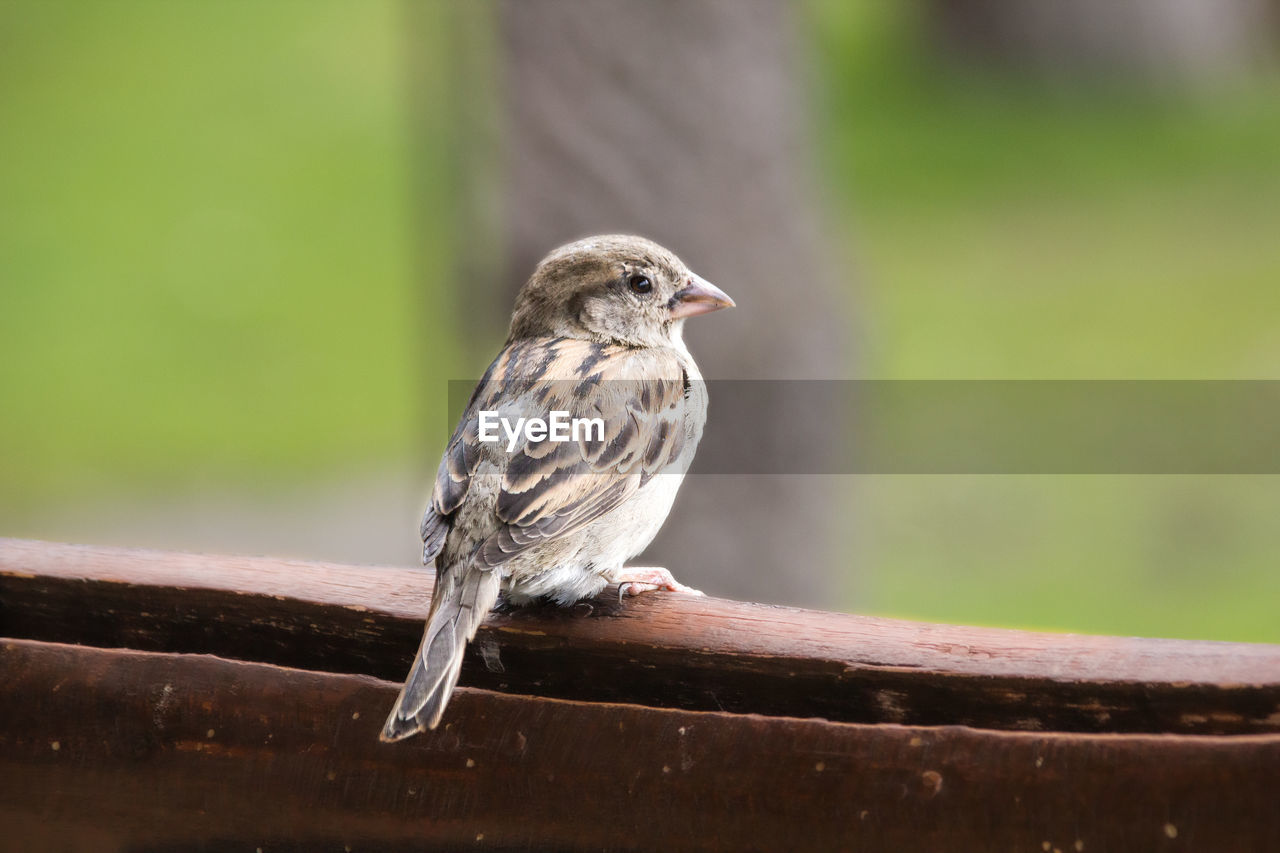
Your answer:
<point x="165" y="701"/>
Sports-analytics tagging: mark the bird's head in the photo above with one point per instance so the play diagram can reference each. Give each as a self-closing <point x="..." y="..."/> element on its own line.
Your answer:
<point x="613" y="289"/>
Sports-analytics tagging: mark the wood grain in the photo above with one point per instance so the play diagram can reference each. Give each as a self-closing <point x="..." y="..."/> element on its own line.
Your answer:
<point x="659" y="650"/>
<point x="124" y="750"/>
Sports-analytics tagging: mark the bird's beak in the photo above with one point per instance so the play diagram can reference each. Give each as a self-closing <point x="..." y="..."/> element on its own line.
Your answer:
<point x="699" y="296"/>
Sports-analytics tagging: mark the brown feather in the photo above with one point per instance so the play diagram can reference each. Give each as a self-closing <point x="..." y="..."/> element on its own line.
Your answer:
<point x="550" y="488"/>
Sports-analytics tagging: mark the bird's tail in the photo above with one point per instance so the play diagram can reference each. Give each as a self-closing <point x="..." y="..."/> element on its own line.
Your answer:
<point x="463" y="596"/>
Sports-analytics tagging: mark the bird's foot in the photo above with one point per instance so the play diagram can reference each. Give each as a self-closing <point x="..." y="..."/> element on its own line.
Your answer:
<point x="637" y="579"/>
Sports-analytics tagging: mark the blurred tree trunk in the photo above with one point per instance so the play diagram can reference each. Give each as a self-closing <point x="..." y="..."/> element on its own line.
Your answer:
<point x="685" y="122"/>
<point x="1163" y="41"/>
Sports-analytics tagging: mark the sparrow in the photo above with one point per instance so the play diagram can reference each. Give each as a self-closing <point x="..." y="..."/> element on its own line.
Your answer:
<point x="597" y="334"/>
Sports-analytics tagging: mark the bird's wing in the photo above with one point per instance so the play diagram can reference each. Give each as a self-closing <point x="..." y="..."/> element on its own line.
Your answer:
<point x="550" y="489"/>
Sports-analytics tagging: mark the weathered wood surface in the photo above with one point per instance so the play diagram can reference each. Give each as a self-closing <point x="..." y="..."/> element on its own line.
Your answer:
<point x="659" y="650"/>
<point x="111" y="750"/>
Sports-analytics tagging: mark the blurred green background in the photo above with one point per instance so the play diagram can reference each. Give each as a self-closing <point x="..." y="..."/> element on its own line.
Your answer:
<point x="226" y="286"/>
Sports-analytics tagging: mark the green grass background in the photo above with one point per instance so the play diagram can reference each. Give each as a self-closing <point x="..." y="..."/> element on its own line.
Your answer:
<point x="215" y="272"/>
<point x="210" y="260"/>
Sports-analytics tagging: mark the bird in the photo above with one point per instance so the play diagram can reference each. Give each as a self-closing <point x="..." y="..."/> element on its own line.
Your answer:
<point x="596" y="335"/>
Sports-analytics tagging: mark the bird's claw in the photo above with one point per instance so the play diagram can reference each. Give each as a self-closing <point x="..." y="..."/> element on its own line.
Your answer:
<point x="636" y="580"/>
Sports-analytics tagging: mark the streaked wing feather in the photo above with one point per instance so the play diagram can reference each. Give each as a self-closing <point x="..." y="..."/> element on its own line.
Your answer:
<point x="550" y="489"/>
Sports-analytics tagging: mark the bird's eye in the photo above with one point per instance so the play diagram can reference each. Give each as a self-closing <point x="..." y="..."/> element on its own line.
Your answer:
<point x="640" y="284"/>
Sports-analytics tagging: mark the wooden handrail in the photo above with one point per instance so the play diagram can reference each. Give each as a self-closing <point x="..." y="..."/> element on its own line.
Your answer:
<point x="662" y="650"/>
<point x="161" y="700"/>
